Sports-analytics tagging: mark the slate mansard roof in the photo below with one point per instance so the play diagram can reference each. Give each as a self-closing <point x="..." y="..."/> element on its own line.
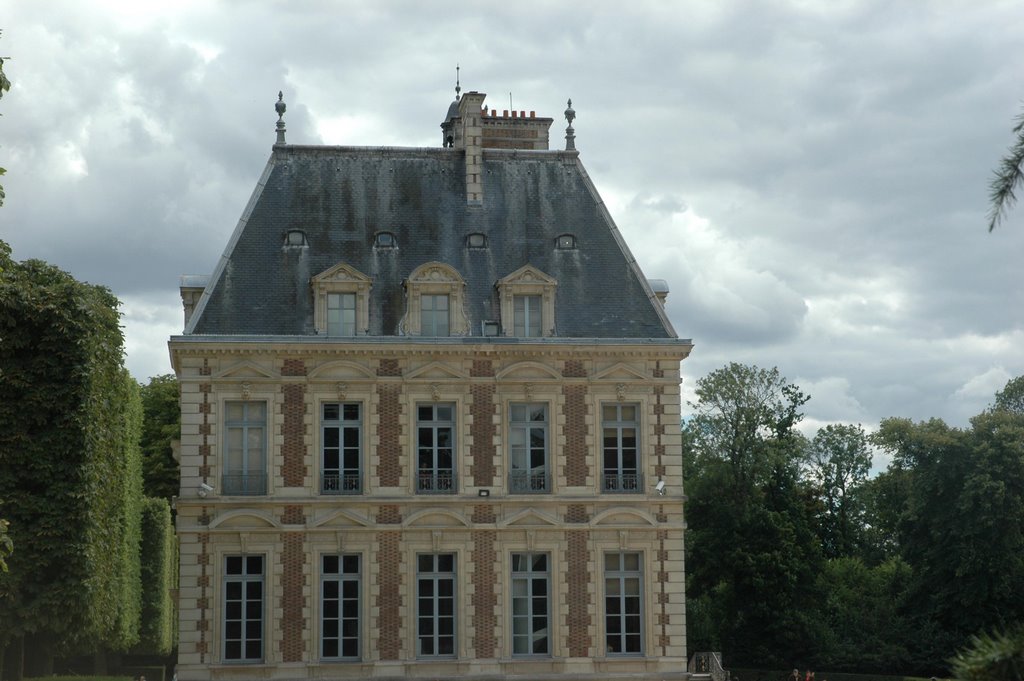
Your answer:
<point x="341" y="197"/>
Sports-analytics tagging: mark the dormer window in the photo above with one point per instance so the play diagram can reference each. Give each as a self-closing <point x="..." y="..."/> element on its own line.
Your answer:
<point x="385" y="240"/>
<point x="565" y="241"/>
<point x="435" y="302"/>
<point x="527" y="299"/>
<point x="476" y="240"/>
<point x="294" y="238"/>
<point x="342" y="301"/>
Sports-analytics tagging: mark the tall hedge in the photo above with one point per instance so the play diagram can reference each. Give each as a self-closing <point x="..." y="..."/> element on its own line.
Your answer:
<point x="70" y="470"/>
<point x="159" y="561"/>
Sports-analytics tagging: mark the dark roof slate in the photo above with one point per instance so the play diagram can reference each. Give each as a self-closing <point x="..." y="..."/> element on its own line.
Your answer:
<point x="340" y="197"/>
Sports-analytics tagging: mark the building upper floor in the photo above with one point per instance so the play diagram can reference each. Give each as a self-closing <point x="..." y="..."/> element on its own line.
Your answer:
<point x="379" y="235"/>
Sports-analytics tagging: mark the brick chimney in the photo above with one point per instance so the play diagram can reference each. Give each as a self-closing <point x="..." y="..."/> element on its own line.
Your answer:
<point x="470" y="111"/>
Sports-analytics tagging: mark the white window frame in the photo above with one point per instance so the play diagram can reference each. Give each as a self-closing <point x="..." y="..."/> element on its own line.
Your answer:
<point x="436" y="479"/>
<point x="527" y="281"/>
<point x="617" y="585"/>
<point x="342" y="279"/>
<point x="244" y="578"/>
<point x="340" y="578"/>
<point x="523" y="476"/>
<point x="530" y="578"/>
<point x="434" y="279"/>
<point x="344" y="479"/>
<point x="436" y="578"/>
<point x="618" y="478"/>
<point x="253" y="483"/>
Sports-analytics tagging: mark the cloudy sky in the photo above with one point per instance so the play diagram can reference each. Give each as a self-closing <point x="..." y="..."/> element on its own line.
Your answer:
<point x="810" y="177"/>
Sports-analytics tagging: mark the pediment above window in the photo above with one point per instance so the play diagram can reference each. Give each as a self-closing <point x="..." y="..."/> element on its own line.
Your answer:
<point x="527" y="298"/>
<point x="341" y="301"/>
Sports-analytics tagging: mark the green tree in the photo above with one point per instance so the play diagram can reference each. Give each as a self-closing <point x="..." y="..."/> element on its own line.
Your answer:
<point x="5" y="86"/>
<point x="838" y="463"/>
<point x="962" y="530"/>
<point x="1007" y="177"/>
<point x="161" y="419"/>
<point x="753" y="551"/>
<point x="862" y="631"/>
<point x="992" y="657"/>
<point x="70" y="470"/>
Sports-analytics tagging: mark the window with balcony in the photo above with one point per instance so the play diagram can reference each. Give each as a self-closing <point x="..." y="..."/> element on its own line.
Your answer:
<point x="620" y="449"/>
<point x="245" y="460"/>
<point x="435" y="449"/>
<point x="341" y="429"/>
<point x="528" y="449"/>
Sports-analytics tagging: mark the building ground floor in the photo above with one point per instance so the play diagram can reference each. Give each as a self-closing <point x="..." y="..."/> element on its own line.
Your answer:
<point x="466" y="590"/>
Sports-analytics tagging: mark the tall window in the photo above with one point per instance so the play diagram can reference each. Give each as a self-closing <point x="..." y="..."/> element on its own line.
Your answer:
<point x="623" y="603"/>
<point x="434" y="315"/>
<point x="341" y="442"/>
<point x="435" y="471"/>
<point x="531" y="604"/>
<point x="339" y="607"/>
<point x="621" y="462"/>
<point x="243" y="608"/>
<point x="435" y="605"/>
<point x="526" y="316"/>
<point x="528" y="449"/>
<point x="341" y="314"/>
<point x="245" y="463"/>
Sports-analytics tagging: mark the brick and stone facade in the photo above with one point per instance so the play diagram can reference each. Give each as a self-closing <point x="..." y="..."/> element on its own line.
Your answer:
<point x="264" y="522"/>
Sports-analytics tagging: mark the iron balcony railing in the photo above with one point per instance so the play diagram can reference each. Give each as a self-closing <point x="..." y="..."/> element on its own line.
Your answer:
<point x="244" y="484"/>
<point x="529" y="482"/>
<point x="436" y="482"/>
<point x="622" y="483"/>
<point x="341" y="483"/>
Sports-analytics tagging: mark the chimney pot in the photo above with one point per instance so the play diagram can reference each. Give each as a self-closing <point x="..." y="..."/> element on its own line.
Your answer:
<point x="533" y="114"/>
<point x="514" y="114"/>
<point x="504" y="113"/>
<point x="522" y="114"/>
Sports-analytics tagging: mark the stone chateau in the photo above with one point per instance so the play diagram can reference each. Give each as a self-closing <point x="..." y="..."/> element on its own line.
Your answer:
<point x="430" y="422"/>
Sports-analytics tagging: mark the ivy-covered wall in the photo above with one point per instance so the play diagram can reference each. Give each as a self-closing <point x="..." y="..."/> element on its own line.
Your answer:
<point x="70" y="470"/>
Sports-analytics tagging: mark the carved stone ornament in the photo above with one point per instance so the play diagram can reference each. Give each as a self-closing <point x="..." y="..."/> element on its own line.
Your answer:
<point x="623" y="539"/>
<point x="342" y="391"/>
<point x="531" y="540"/>
<point x="620" y="391"/>
<point x="341" y="542"/>
<point x="435" y="391"/>
<point x="246" y="391"/>
<point x="435" y="538"/>
<point x="243" y="541"/>
<point x="528" y="390"/>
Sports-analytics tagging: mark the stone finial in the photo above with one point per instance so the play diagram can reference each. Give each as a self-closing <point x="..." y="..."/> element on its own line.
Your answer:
<point x="570" y="134"/>
<point x="458" y="88"/>
<point x="280" y="107"/>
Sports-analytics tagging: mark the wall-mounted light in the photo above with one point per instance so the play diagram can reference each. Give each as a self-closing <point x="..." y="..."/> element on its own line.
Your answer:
<point x="483" y="492"/>
<point x="660" y="487"/>
<point x="204" y="489"/>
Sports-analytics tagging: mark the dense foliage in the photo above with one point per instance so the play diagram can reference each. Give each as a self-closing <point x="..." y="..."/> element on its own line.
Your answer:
<point x="797" y="558"/>
<point x="70" y="470"/>
<point x="159" y="567"/>
<point x="160" y="425"/>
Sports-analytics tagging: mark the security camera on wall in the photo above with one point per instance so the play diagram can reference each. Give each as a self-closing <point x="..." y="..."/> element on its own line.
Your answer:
<point x="204" y="489"/>
<point x="660" y="487"/>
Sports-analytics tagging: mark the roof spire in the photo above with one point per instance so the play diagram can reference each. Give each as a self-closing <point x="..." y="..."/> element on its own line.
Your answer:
<point x="280" y="108"/>
<point x="458" y="89"/>
<point x="570" y="134"/>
